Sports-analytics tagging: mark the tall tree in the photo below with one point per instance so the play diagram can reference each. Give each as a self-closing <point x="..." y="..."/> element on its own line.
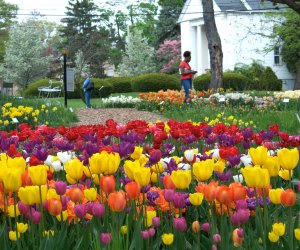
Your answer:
<point x="214" y="45"/>
<point x="25" y="58"/>
<point x="139" y="56"/>
<point x="288" y="38"/>
<point x="167" y="26"/>
<point x="7" y="15"/>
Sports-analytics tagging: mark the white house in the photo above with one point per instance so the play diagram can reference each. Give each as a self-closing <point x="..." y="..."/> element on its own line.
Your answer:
<point x="240" y="24"/>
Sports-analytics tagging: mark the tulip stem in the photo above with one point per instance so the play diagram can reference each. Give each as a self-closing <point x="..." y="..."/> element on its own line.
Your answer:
<point x="41" y="208"/>
<point x="291" y="236"/>
<point x="16" y="218"/>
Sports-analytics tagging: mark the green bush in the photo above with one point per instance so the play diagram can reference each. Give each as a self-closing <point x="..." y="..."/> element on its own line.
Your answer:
<point x="269" y="81"/>
<point x="106" y="88"/>
<point x="231" y="80"/>
<point x="32" y="89"/>
<point x="120" y="84"/>
<point x="155" y="82"/>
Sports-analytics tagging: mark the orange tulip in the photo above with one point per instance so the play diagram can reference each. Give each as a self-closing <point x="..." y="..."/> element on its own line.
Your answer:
<point x="238" y="191"/>
<point x="26" y="180"/>
<point x="75" y="194"/>
<point x="132" y="190"/>
<point x="224" y="194"/>
<point x="54" y="207"/>
<point x="210" y="191"/>
<point x="108" y="183"/>
<point x="237" y="240"/>
<point x="288" y="197"/>
<point x="168" y="183"/>
<point x="117" y="201"/>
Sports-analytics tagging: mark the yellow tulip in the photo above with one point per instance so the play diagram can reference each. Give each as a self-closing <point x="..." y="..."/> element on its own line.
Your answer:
<point x="142" y="176"/>
<point x="286" y="174"/>
<point x="288" y="158"/>
<point x="104" y="163"/>
<point x="29" y="195"/>
<point x="278" y="228"/>
<point x="87" y="171"/>
<point x="64" y="216"/>
<point x="154" y="177"/>
<point x="52" y="194"/>
<point x="113" y="163"/>
<point x="203" y="170"/>
<point x="95" y="178"/>
<point x="181" y="178"/>
<point x="22" y="228"/>
<point x="258" y="155"/>
<point x="16" y="163"/>
<point x="38" y="175"/>
<point x="48" y="233"/>
<point x="273" y="166"/>
<point x="11" y="211"/>
<point x="256" y="176"/>
<point x="167" y="238"/>
<point x="143" y="160"/>
<point x="130" y="167"/>
<point x="90" y="194"/>
<point x="150" y="215"/>
<point x="74" y="169"/>
<point x="3" y="165"/>
<point x="274" y="195"/>
<point x="13" y="235"/>
<point x="297" y="233"/>
<point x="158" y="168"/>
<point x="196" y="198"/>
<point x="219" y="166"/>
<point x="12" y="179"/>
<point x="273" y="237"/>
<point x="70" y="180"/>
<point x="124" y="229"/>
<point x="136" y="153"/>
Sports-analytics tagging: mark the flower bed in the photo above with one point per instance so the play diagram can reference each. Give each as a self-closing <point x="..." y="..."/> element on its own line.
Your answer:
<point x="139" y="185"/>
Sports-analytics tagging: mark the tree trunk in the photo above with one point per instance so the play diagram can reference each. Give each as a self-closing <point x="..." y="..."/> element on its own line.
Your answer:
<point x="214" y="45"/>
<point x="297" y="81"/>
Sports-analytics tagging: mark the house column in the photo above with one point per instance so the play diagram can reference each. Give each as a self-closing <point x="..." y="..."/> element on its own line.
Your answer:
<point x="199" y="66"/>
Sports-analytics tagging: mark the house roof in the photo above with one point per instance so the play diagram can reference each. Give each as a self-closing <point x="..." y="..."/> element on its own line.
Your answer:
<point x="242" y="5"/>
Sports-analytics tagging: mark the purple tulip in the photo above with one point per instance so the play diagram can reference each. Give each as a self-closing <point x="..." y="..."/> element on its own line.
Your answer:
<point x="156" y="221"/>
<point x="241" y="204"/>
<point x="168" y="194"/>
<point x="180" y="224"/>
<point x="145" y="234"/>
<point x="151" y="231"/>
<point x="240" y="232"/>
<point x="79" y="210"/>
<point x="105" y="238"/>
<point x="98" y="209"/>
<point x="205" y="227"/>
<point x="60" y="187"/>
<point x="178" y="200"/>
<point x="36" y="217"/>
<point x="23" y="208"/>
<point x="217" y="238"/>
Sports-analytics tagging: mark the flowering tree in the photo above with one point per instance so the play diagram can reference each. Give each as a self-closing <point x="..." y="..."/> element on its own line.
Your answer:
<point x="168" y="56"/>
<point x="138" y="58"/>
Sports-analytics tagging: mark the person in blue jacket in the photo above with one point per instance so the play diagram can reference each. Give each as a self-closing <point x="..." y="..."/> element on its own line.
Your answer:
<point x="87" y="90"/>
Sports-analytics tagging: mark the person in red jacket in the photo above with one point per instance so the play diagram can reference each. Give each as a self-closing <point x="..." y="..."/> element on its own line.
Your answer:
<point x="186" y="75"/>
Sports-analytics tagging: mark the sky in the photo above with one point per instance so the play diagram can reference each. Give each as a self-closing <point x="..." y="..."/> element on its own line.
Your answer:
<point x="52" y="10"/>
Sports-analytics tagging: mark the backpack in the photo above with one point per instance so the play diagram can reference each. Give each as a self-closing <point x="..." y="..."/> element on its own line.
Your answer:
<point x="90" y="86"/>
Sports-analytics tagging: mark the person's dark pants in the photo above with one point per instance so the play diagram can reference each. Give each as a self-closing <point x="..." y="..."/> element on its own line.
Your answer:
<point x="87" y="96"/>
<point x="187" y="86"/>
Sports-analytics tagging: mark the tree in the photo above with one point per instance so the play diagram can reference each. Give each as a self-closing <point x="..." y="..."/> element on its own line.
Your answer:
<point x="169" y="56"/>
<point x="288" y="34"/>
<point x="214" y="45"/>
<point x="7" y="14"/>
<point x="293" y="4"/>
<point x="24" y="59"/>
<point x="167" y="26"/>
<point x="138" y="58"/>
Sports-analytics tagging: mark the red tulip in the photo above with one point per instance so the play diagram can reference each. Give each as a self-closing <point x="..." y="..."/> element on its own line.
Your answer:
<point x="132" y="190"/>
<point x="288" y="197"/>
<point x="108" y="183"/>
<point x="168" y="183"/>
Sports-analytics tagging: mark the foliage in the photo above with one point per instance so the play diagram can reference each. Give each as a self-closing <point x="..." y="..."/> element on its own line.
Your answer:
<point x="202" y="82"/>
<point x="138" y="58"/>
<point x="24" y="60"/>
<point x="7" y="16"/>
<point x="120" y="84"/>
<point x="269" y="80"/>
<point x="155" y="82"/>
<point x="32" y="89"/>
<point x="169" y="56"/>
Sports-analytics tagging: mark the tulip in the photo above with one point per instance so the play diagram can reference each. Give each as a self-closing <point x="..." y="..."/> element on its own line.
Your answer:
<point x="136" y="153"/>
<point x="297" y="233"/>
<point x="168" y="194"/>
<point x="90" y="194"/>
<point x="98" y="209"/>
<point x="180" y="224"/>
<point x="273" y="237"/>
<point x="60" y="187"/>
<point x="274" y="195"/>
<point x="205" y="227"/>
<point x="74" y="169"/>
<point x="151" y="231"/>
<point x="196" y="199"/>
<point x="196" y="227"/>
<point x="178" y="200"/>
<point x="224" y="194"/>
<point x="145" y="234"/>
<point x="108" y="183"/>
<point x="26" y="180"/>
<point x="54" y="207"/>
<point x="237" y="240"/>
<point x="190" y="155"/>
<point x="11" y="211"/>
<point x="278" y="228"/>
<point x="29" y="195"/>
<point x="116" y="201"/>
<point x="13" y="236"/>
<point x="273" y="166"/>
<point x="288" y="197"/>
<point x="168" y="183"/>
<point x="219" y="166"/>
<point x="38" y="175"/>
<point x="48" y="233"/>
<point x="132" y="190"/>
<point x="52" y="194"/>
<point x="76" y="194"/>
<point x="203" y="169"/>
<point x="130" y="167"/>
<point x="156" y="221"/>
<point x="22" y="228"/>
<point x="181" y="178"/>
<point x="36" y="217"/>
<point x="217" y="238"/>
<point x="210" y="191"/>
<point x="167" y="239"/>
<point x="238" y="191"/>
<point x="104" y="163"/>
<point x="12" y="179"/>
<point x="256" y="176"/>
<point x="23" y="208"/>
<point x="288" y="158"/>
<point x="285" y="174"/>
<point x="105" y="238"/>
<point x="259" y="155"/>
<point x="142" y="176"/>
<point x="63" y="216"/>
<point x="79" y="210"/>
<point x="124" y="230"/>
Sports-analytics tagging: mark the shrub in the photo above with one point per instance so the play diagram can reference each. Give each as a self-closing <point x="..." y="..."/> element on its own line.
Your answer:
<point x="269" y="80"/>
<point x="120" y="84"/>
<point x="32" y="89"/>
<point x="106" y="88"/>
<point x="155" y="82"/>
<point x="201" y="82"/>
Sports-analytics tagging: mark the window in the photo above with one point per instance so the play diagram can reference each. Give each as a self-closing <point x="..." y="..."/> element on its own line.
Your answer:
<point x="276" y="56"/>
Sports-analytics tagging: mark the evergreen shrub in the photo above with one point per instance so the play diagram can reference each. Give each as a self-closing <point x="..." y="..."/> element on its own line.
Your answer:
<point x="155" y="82"/>
<point x="269" y="81"/>
<point x="32" y="89"/>
<point x="120" y="84"/>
